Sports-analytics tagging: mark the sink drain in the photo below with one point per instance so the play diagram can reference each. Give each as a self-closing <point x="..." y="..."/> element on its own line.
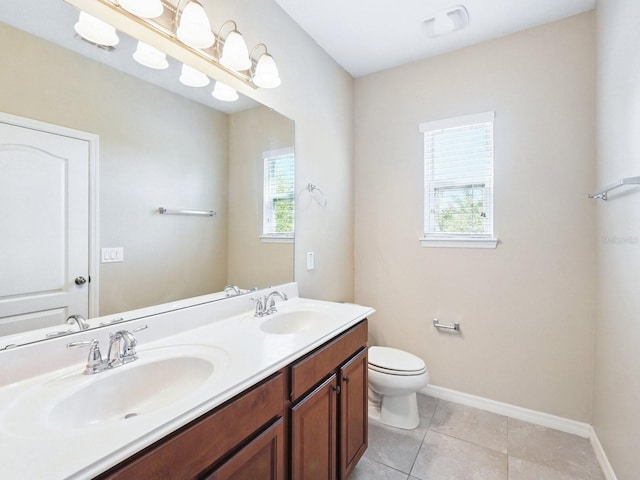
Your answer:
<point x="130" y="415"/>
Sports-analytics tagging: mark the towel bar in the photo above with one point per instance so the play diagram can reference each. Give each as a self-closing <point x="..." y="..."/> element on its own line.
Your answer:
<point x="437" y="324"/>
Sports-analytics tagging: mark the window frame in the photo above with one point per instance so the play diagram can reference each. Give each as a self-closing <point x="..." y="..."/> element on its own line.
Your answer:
<point x="431" y="238"/>
<point x="274" y="237"/>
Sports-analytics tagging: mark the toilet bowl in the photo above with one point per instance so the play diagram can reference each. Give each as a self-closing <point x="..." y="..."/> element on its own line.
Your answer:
<point x="394" y="378"/>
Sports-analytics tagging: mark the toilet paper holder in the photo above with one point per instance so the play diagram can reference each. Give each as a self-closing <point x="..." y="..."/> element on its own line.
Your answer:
<point x="455" y="327"/>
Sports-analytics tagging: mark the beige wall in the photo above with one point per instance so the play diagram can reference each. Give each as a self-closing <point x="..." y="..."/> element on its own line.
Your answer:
<point x="616" y="416"/>
<point x="252" y="262"/>
<point x="156" y="149"/>
<point x="318" y="95"/>
<point x="526" y="308"/>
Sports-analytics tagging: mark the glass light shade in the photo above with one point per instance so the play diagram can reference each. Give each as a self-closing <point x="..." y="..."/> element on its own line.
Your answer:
<point x="143" y="8"/>
<point x="224" y="92"/>
<point x="150" y="57"/>
<point x="194" y="29"/>
<point x="192" y="77"/>
<point x="234" y="53"/>
<point x="96" y="31"/>
<point x="266" y="74"/>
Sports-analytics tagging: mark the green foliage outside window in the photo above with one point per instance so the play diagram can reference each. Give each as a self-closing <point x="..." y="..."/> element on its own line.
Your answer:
<point x="460" y="209"/>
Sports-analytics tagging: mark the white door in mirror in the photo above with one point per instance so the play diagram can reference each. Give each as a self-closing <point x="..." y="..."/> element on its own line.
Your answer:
<point x="44" y="207"/>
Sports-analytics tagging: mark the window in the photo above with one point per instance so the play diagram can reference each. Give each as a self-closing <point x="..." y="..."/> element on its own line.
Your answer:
<point x="278" y="199"/>
<point x="458" y="182"/>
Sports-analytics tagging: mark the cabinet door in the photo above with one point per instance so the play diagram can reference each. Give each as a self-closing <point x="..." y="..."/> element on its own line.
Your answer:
<point x="353" y="412"/>
<point x="313" y="434"/>
<point x="262" y="458"/>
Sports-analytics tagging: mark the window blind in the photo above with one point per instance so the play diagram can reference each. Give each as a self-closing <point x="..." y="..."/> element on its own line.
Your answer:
<point x="458" y="176"/>
<point x="279" y="212"/>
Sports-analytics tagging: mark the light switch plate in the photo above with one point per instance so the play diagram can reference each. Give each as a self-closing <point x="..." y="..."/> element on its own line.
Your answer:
<point x="311" y="261"/>
<point x="112" y="255"/>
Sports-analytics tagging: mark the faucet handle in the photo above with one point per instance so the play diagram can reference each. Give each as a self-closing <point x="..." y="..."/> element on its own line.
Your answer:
<point x="95" y="363"/>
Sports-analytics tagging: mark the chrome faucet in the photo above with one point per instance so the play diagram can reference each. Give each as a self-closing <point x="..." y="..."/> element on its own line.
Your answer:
<point x="232" y="290"/>
<point x="122" y="348"/>
<point x="267" y="305"/>
<point x="79" y="321"/>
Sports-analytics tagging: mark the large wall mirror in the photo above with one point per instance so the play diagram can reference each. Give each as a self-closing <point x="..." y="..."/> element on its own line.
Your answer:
<point x="161" y="144"/>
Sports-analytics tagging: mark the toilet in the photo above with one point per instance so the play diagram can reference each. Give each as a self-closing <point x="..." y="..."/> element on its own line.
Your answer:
<point x="394" y="378"/>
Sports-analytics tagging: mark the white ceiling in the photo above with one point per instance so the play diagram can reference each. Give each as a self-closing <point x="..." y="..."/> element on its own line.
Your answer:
<point x="366" y="36"/>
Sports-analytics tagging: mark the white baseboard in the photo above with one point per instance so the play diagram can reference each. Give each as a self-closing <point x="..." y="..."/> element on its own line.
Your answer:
<point x="532" y="416"/>
<point x="603" y="460"/>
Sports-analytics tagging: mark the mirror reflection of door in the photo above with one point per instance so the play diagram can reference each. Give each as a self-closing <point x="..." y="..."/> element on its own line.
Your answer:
<point x="44" y="218"/>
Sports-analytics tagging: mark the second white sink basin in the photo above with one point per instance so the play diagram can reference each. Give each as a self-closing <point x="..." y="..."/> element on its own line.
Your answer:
<point x="294" y="322"/>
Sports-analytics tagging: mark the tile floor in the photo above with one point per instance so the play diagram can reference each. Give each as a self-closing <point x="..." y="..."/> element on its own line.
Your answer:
<point x="455" y="442"/>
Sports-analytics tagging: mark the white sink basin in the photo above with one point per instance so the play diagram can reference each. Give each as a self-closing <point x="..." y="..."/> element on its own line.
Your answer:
<point x="134" y="390"/>
<point x="295" y="322"/>
<point x="160" y="378"/>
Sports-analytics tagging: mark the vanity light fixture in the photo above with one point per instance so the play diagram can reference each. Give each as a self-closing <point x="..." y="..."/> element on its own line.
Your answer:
<point x="224" y="92"/>
<point x="234" y="53"/>
<point x="96" y="31"/>
<point x="264" y="71"/>
<point x="194" y="28"/>
<point x="150" y="57"/>
<point x="446" y="21"/>
<point x="143" y="8"/>
<point x="183" y="31"/>
<point x="192" y="77"/>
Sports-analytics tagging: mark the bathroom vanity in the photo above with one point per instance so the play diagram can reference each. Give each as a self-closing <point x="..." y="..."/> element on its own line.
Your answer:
<point x="285" y="397"/>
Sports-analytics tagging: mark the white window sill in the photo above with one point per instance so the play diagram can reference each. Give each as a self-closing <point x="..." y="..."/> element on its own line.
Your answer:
<point x="464" y="242"/>
<point x="275" y="239"/>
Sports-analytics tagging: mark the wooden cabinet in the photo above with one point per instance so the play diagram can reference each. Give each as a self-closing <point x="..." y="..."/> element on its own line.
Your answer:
<point x="306" y="422"/>
<point x="199" y="448"/>
<point x="329" y="421"/>
<point x="354" y="412"/>
<point x="313" y="433"/>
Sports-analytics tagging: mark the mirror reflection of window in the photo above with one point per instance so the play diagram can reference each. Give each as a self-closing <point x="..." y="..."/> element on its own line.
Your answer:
<point x="278" y="197"/>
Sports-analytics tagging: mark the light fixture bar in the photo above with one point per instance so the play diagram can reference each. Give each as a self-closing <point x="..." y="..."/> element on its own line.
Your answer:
<point x="159" y="35"/>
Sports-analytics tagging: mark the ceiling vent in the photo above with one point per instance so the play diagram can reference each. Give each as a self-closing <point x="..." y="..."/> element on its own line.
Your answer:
<point x="447" y="21"/>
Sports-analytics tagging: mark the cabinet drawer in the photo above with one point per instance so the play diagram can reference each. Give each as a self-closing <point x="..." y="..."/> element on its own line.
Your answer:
<point x="317" y="365"/>
<point x="194" y="449"/>
<point x="261" y="459"/>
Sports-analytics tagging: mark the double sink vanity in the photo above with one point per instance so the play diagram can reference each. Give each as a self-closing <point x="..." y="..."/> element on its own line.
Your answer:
<point x="212" y="389"/>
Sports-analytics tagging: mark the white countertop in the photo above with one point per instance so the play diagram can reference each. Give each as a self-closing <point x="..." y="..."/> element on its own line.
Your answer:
<point x="36" y="444"/>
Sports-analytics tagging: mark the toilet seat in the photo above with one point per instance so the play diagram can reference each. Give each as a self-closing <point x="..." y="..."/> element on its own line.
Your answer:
<point x="392" y="361"/>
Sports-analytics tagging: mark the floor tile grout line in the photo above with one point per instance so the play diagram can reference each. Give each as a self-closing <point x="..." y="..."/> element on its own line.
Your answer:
<point x="388" y="466"/>
<point x="424" y="437"/>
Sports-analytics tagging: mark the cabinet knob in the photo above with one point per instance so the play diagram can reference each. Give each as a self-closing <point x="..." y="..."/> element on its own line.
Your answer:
<point x="345" y="379"/>
<point x="336" y="389"/>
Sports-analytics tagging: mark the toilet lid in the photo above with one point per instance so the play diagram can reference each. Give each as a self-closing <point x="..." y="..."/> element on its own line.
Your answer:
<point x="387" y="358"/>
